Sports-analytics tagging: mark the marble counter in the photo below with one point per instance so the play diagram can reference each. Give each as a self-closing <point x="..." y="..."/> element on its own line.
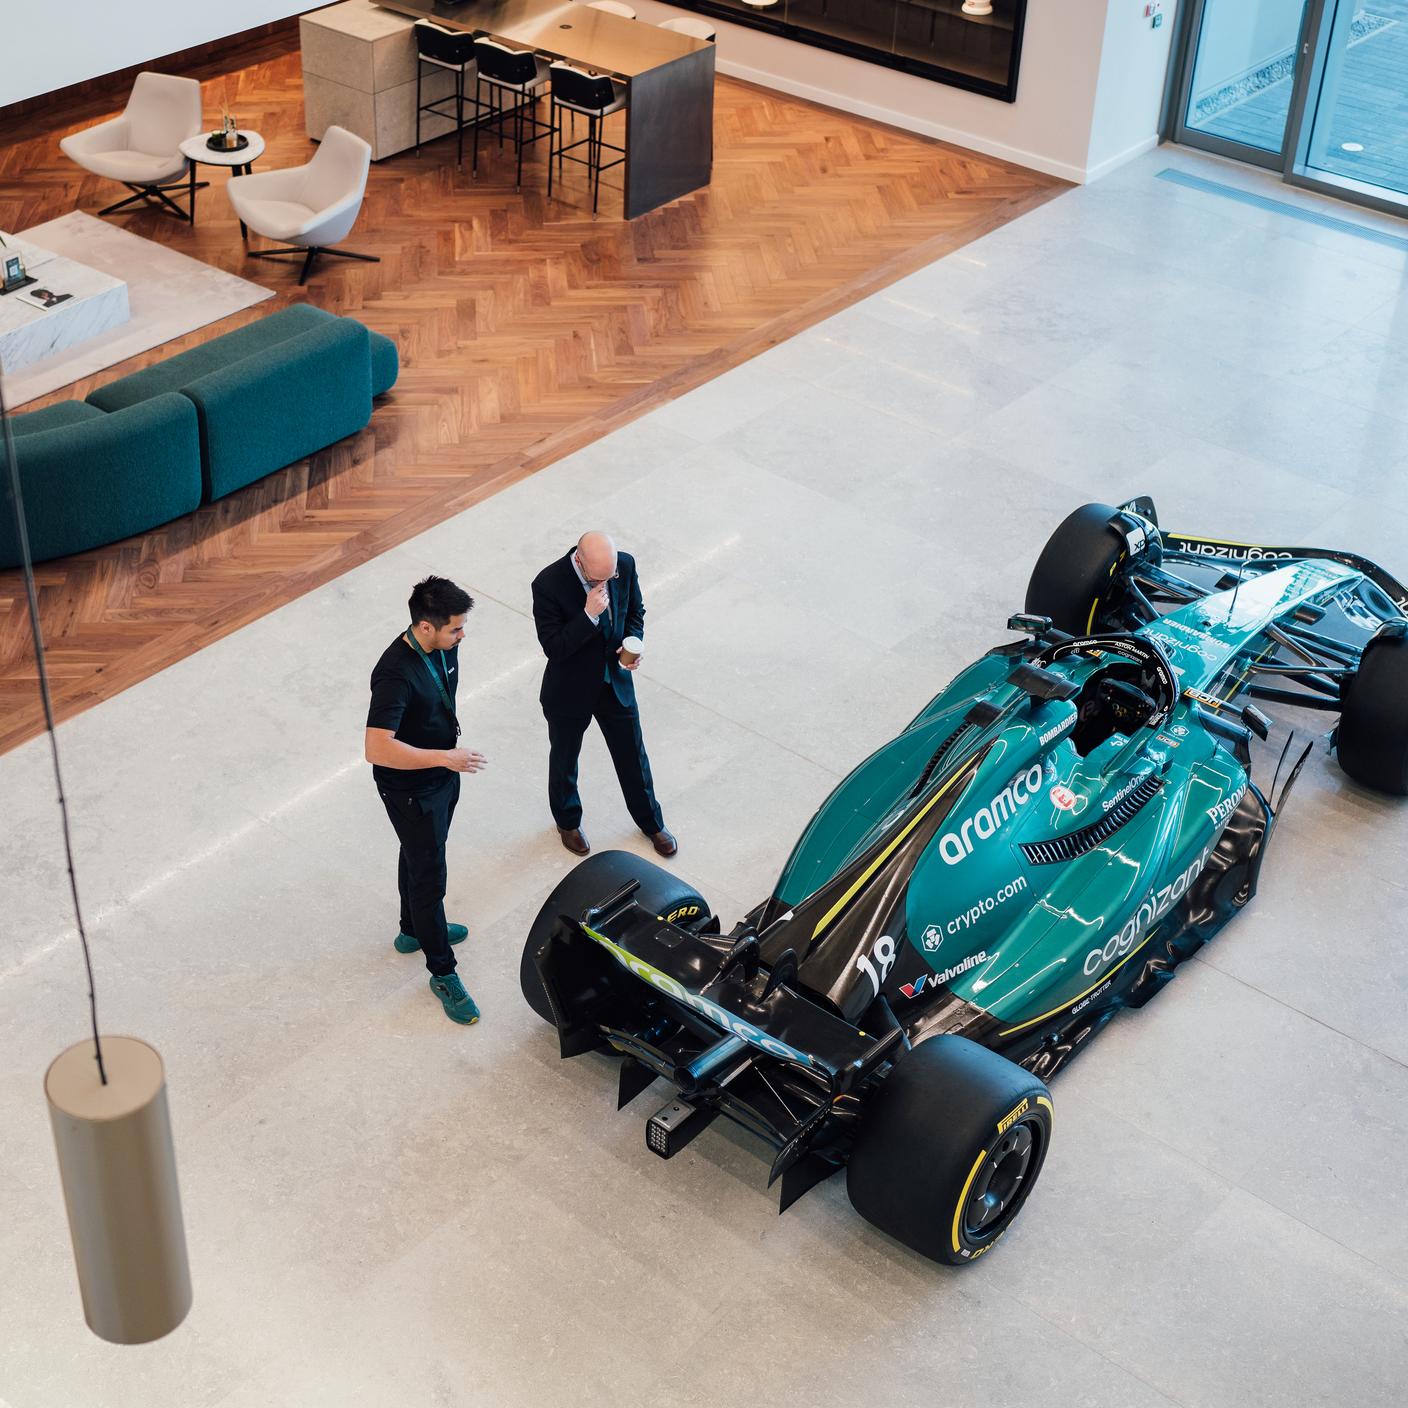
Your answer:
<point x="29" y="334"/>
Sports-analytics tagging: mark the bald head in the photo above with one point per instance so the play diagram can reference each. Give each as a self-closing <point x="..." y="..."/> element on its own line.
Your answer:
<point x="596" y="552"/>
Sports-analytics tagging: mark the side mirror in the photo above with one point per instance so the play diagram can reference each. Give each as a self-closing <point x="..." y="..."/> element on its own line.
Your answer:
<point x="1028" y="624"/>
<point x="1256" y="721"/>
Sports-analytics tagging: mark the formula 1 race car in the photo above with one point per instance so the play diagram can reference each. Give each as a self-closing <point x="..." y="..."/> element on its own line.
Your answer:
<point x="1069" y="820"/>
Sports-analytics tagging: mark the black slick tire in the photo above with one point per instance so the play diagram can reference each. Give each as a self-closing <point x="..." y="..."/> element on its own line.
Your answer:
<point x="1372" y="740"/>
<point x="589" y="883"/>
<point x="949" y="1148"/>
<point x="1071" y="582"/>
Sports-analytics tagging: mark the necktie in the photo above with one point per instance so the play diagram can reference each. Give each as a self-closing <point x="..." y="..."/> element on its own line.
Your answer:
<point x="605" y="621"/>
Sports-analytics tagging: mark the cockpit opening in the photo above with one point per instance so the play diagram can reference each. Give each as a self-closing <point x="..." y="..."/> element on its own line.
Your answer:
<point x="1115" y="699"/>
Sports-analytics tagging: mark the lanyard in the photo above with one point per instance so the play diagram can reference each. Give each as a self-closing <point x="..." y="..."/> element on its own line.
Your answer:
<point x="440" y="683"/>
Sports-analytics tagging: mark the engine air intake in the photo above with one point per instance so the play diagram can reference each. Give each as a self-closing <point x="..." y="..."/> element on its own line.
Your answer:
<point x="1078" y="843"/>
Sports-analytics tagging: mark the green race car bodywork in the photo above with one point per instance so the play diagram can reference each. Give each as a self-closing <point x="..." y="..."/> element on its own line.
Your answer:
<point x="1066" y="822"/>
<point x="1021" y="936"/>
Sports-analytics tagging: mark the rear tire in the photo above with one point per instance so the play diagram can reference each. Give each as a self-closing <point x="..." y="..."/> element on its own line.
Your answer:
<point x="1372" y="740"/>
<point x="661" y="891"/>
<point x="949" y="1149"/>
<point x="1071" y="580"/>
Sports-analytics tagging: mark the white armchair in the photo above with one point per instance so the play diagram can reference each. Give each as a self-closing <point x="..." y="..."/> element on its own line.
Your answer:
<point x="142" y="148"/>
<point x="309" y="207"/>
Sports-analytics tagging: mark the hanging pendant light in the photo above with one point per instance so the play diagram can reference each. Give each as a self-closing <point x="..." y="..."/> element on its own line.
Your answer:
<point x="118" y="1168"/>
<point x="107" y="1106"/>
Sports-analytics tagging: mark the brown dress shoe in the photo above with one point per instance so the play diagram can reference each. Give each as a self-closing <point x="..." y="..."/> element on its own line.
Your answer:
<point x="664" y="843"/>
<point x="575" y="841"/>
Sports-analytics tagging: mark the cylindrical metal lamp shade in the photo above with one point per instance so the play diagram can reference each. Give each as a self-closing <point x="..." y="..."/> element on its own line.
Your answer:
<point x="118" y="1168"/>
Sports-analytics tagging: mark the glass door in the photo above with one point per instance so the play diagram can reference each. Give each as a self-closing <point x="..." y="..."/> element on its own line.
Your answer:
<point x="1315" y="89"/>
<point x="1240" y="79"/>
<point x="1353" y="135"/>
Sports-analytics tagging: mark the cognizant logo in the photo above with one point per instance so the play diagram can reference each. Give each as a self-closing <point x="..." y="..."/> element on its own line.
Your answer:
<point x="1229" y="550"/>
<point x="1144" y="918"/>
<point x="956" y="846"/>
<point x="734" y="1026"/>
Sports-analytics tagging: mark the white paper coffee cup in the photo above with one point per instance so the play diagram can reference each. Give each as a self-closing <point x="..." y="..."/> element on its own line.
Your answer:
<point x="631" y="649"/>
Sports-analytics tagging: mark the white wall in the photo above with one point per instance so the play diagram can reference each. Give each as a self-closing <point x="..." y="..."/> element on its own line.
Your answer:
<point x="1047" y="128"/>
<point x="1133" y="67"/>
<point x="48" y="44"/>
<point x="1053" y="126"/>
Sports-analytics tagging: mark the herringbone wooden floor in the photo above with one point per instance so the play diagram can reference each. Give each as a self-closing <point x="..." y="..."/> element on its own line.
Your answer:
<point x="526" y="330"/>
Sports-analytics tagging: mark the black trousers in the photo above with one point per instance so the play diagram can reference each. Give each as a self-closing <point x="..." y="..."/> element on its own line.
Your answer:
<point x="620" y="726"/>
<point x="422" y="822"/>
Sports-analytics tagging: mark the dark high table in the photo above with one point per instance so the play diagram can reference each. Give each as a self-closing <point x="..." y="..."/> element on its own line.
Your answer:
<point x="669" y="77"/>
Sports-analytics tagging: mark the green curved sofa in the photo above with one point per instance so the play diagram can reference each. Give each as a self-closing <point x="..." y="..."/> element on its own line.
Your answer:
<point x="155" y="445"/>
<point x="90" y="478"/>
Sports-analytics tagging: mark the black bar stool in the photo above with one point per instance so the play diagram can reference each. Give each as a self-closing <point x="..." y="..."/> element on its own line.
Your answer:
<point x="445" y="49"/>
<point x="595" y="96"/>
<point x="515" y="79"/>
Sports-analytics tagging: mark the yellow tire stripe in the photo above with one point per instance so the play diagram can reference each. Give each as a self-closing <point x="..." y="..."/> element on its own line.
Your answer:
<point x="890" y="849"/>
<point x="963" y="1198"/>
<point x="1095" y="605"/>
<point x="1050" y="1111"/>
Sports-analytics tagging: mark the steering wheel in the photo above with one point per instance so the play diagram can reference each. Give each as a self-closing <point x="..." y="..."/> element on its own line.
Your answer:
<point x="1154" y="670"/>
<point x="1126" y="697"/>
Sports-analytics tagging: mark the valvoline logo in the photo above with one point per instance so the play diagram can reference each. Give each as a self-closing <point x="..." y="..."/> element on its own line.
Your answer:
<point x="937" y="980"/>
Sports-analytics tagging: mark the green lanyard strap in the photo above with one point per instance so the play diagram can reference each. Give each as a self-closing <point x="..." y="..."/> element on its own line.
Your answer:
<point x="440" y="683"/>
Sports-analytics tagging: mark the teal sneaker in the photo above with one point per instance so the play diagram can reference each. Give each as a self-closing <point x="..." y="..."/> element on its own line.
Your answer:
<point x="406" y="944"/>
<point x="459" y="1005"/>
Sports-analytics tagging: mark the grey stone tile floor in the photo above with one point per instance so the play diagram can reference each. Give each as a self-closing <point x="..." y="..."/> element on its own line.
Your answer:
<point x="384" y="1209"/>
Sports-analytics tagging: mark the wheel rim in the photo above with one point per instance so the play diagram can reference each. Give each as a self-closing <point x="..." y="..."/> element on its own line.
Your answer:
<point x="999" y="1182"/>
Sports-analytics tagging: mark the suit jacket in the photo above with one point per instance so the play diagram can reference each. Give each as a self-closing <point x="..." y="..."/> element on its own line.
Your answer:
<point x="581" y="654"/>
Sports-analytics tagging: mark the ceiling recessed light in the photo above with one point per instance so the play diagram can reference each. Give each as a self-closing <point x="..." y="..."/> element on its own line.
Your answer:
<point x="1351" y="146"/>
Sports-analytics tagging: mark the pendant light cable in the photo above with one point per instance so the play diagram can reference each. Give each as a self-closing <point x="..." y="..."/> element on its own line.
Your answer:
<point x="17" y="501"/>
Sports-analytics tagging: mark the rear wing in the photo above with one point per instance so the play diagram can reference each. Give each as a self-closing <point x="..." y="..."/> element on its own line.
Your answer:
<point x="737" y="1000"/>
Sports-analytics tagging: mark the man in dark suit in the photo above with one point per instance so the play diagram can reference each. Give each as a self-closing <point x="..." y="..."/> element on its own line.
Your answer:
<point x="584" y="605"/>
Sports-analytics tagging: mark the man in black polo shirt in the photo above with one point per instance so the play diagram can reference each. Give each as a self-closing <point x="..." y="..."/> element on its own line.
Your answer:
<point x="412" y="745"/>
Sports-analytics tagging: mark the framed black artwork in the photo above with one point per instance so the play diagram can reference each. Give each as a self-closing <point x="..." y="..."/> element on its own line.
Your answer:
<point x="972" y="44"/>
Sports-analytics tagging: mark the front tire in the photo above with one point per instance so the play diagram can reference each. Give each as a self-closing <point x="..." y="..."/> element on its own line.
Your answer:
<point x="590" y="882"/>
<point x="1372" y="739"/>
<point x="949" y="1149"/>
<point x="1072" y="580"/>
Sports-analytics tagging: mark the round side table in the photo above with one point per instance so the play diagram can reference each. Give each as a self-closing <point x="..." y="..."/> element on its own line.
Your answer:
<point x="238" y="163"/>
